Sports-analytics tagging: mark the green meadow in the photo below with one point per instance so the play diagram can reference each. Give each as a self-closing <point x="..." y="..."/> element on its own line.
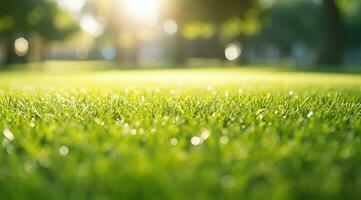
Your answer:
<point x="205" y="133"/>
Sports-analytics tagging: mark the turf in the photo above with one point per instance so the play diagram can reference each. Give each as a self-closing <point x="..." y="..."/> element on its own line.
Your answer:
<point x="180" y="134"/>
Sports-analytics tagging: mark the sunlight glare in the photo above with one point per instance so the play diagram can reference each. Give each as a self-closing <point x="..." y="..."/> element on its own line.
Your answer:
<point x="90" y="25"/>
<point x="141" y="11"/>
<point x="72" y="5"/>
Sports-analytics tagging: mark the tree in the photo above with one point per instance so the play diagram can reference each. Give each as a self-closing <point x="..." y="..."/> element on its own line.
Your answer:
<point x="332" y="34"/>
<point x="208" y="11"/>
<point x="351" y="10"/>
<point x="26" y="18"/>
<point x="282" y="25"/>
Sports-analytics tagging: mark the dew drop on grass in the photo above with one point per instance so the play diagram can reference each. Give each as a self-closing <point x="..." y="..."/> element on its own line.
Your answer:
<point x="83" y="90"/>
<point x="223" y="140"/>
<point x="228" y="181"/>
<point x="44" y="162"/>
<point x="63" y="150"/>
<point x="133" y="131"/>
<point x="29" y="166"/>
<point x="195" y="140"/>
<point x="82" y="169"/>
<point x="5" y="142"/>
<point x="8" y="134"/>
<point x="310" y="114"/>
<point x="32" y="124"/>
<point x="153" y="130"/>
<point x="115" y="97"/>
<point x="205" y="134"/>
<point x="173" y="141"/>
<point x="10" y="149"/>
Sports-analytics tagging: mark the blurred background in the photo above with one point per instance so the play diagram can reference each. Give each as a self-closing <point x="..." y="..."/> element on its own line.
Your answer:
<point x="178" y="32"/>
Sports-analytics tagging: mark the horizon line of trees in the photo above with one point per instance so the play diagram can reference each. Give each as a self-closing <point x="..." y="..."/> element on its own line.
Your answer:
<point x="324" y="26"/>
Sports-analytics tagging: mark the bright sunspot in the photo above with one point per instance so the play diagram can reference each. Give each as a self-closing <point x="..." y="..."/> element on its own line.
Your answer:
<point x="72" y="5"/>
<point x="141" y="11"/>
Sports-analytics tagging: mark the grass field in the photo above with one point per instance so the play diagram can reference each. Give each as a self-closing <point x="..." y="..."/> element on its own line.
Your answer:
<point x="233" y="133"/>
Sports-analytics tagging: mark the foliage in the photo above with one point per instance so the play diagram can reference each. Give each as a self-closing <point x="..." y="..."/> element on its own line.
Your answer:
<point x="286" y="23"/>
<point x="25" y="17"/>
<point x="261" y="135"/>
<point x="212" y="11"/>
<point x="32" y="19"/>
<point x="353" y="24"/>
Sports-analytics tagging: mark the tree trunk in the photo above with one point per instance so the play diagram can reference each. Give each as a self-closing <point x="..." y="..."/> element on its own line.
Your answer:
<point x="220" y="46"/>
<point x="332" y="35"/>
<point x="10" y="55"/>
<point x="134" y="50"/>
<point x="242" y="39"/>
<point x="38" y="49"/>
<point x="179" y="53"/>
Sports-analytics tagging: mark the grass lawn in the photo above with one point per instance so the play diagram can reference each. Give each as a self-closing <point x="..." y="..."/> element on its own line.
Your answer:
<point x="232" y="133"/>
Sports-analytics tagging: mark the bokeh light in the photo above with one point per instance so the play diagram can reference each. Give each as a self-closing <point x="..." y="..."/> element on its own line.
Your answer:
<point x="90" y="25"/>
<point x="63" y="150"/>
<point x="195" y="140"/>
<point x="21" y="46"/>
<point x="170" y="27"/>
<point x="109" y="52"/>
<point x="233" y="51"/>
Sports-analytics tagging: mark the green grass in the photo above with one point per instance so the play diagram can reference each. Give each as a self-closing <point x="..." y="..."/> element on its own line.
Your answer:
<point x="262" y="134"/>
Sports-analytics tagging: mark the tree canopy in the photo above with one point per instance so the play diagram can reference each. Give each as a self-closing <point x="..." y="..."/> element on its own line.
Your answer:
<point x="25" y="18"/>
